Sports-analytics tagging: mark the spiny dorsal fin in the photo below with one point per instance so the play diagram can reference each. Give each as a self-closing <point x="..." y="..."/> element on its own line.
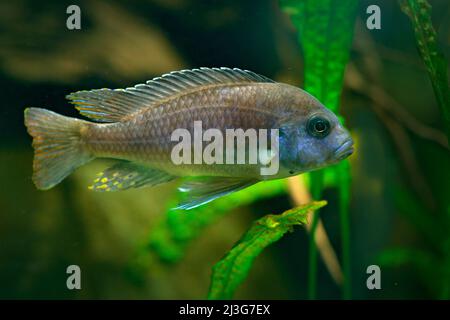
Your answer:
<point x="112" y="105"/>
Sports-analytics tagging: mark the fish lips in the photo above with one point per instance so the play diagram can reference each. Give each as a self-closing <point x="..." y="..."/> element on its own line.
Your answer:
<point x="344" y="150"/>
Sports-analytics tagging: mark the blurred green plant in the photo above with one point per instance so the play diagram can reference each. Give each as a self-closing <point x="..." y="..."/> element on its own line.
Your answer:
<point x="231" y="271"/>
<point x="325" y="32"/>
<point x="172" y="234"/>
<point x="430" y="261"/>
<point x="170" y="237"/>
<point x="419" y="12"/>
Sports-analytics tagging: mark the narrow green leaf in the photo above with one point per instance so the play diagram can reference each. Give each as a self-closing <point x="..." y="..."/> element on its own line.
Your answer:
<point x="343" y="169"/>
<point x="231" y="271"/>
<point x="173" y="233"/>
<point x="419" y="12"/>
<point x="325" y="32"/>
<point x="395" y="257"/>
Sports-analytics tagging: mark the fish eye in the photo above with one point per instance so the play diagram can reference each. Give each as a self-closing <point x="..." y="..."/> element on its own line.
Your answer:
<point x="318" y="127"/>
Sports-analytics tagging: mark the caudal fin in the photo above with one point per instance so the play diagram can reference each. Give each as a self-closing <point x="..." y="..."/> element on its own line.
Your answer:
<point x="57" y="146"/>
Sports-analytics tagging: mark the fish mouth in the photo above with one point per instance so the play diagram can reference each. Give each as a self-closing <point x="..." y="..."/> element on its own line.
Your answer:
<point x="344" y="150"/>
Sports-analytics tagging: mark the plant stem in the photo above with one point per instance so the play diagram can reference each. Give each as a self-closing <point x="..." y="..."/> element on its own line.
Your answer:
<point x="301" y="195"/>
<point x="316" y="191"/>
<point x="344" y="202"/>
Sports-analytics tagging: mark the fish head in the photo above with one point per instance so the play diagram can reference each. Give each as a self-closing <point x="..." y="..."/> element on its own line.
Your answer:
<point x="313" y="140"/>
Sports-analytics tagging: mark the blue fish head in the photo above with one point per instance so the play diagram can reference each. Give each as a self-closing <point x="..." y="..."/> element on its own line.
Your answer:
<point x="315" y="141"/>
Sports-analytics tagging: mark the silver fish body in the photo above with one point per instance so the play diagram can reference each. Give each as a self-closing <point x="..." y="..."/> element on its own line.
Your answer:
<point x="141" y="121"/>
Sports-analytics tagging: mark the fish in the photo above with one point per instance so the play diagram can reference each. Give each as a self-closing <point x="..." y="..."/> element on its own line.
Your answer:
<point x="135" y="126"/>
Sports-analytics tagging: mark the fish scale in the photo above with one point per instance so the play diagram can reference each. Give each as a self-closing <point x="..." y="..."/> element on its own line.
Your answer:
<point x="151" y="127"/>
<point x="135" y="125"/>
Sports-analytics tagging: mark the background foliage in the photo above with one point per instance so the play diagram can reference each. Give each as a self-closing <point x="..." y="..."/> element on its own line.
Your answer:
<point x="129" y="245"/>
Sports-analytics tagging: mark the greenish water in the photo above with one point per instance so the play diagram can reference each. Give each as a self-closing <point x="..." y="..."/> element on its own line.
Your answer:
<point x="128" y="245"/>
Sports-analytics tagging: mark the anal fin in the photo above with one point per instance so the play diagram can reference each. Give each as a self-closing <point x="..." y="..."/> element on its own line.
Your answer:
<point x="126" y="175"/>
<point x="201" y="190"/>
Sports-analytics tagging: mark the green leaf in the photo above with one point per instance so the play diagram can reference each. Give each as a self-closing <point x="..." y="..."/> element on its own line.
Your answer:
<point x="325" y="32"/>
<point x="173" y="233"/>
<point x="419" y="12"/>
<point x="231" y="271"/>
<point x="395" y="257"/>
<point x="343" y="169"/>
<point x="325" y="29"/>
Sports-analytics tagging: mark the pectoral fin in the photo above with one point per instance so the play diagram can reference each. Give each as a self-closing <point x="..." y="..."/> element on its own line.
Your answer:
<point x="201" y="190"/>
<point x="126" y="175"/>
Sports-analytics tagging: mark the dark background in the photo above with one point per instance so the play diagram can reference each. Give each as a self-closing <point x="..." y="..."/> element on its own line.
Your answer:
<point x="401" y="171"/>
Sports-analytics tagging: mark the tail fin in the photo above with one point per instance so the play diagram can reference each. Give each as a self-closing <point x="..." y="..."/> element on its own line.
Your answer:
<point x="57" y="146"/>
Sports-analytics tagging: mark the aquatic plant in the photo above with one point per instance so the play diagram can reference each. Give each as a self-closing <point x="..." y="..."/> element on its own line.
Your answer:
<point x="419" y="12"/>
<point x="326" y="52"/>
<point x="170" y="237"/>
<point x="325" y="32"/>
<point x="430" y="262"/>
<point x="229" y="272"/>
<point x="400" y="174"/>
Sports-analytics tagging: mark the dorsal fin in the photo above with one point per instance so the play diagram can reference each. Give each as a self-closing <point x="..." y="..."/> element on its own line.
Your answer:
<point x="111" y="105"/>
